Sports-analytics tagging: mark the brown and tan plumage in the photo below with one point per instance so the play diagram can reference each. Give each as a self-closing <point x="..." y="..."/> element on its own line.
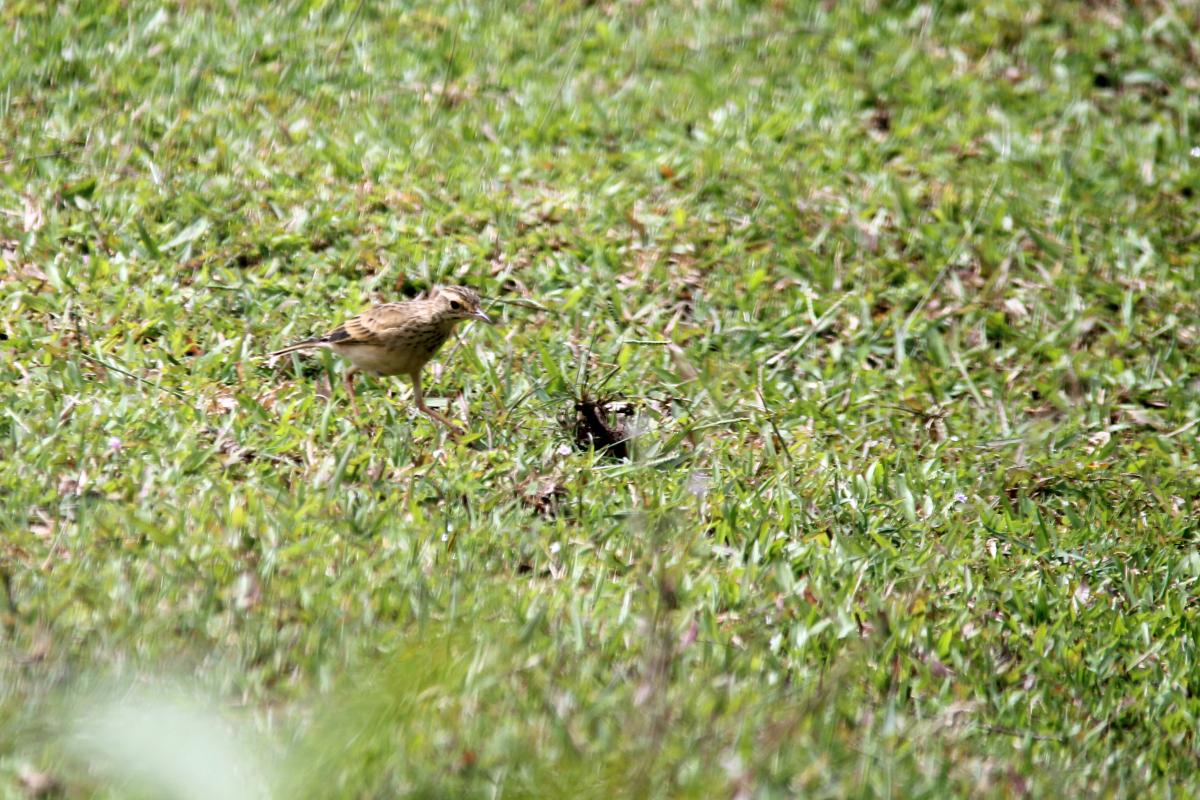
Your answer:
<point x="398" y="338"/>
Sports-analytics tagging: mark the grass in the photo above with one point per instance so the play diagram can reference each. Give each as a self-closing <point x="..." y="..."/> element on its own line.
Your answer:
<point x="899" y="300"/>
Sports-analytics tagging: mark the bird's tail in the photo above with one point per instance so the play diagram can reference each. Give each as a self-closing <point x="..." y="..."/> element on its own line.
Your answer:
<point x="307" y="344"/>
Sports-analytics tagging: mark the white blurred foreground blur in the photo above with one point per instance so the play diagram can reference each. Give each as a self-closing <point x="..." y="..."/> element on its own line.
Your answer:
<point x="170" y="746"/>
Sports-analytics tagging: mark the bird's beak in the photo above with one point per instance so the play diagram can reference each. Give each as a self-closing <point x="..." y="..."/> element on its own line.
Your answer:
<point x="483" y="317"/>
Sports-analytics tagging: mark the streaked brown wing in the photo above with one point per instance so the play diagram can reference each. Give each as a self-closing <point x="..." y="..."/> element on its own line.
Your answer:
<point x="373" y="326"/>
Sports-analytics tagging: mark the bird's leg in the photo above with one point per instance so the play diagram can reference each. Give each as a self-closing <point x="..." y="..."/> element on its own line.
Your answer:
<point x="419" y="401"/>
<point x="349" y="379"/>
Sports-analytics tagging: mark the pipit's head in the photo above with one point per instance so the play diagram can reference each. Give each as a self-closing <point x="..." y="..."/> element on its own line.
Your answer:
<point x="455" y="303"/>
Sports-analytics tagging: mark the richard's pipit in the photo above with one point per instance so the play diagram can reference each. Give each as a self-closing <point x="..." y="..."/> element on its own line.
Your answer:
<point x="398" y="338"/>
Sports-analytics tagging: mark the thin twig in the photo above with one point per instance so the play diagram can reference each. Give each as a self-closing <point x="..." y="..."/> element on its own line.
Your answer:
<point x="562" y="84"/>
<point x="795" y="348"/>
<point x="441" y="103"/>
<point x="37" y="156"/>
<point x="349" y="29"/>
<point x="522" y="303"/>
<point x="1014" y="732"/>
<point x="778" y="434"/>
<point x="137" y="378"/>
<point x="1184" y="429"/>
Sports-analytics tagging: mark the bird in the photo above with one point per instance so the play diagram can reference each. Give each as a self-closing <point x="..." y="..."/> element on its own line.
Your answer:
<point x="398" y="338"/>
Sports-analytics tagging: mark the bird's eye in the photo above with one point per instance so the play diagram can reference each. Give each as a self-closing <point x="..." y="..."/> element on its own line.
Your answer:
<point x="455" y="305"/>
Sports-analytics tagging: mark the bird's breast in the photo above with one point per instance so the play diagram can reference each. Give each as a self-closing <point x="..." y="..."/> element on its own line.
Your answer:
<point x="400" y="355"/>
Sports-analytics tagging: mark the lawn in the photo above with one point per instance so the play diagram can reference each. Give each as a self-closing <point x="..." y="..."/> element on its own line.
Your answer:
<point x="892" y="308"/>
